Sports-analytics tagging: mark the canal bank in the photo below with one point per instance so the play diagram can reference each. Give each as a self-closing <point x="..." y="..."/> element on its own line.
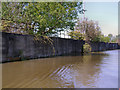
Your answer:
<point x="20" y="47"/>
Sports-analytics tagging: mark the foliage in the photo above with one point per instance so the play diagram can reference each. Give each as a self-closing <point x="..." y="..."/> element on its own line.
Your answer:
<point x="109" y="38"/>
<point x="112" y="38"/>
<point x="118" y="38"/>
<point x="104" y="38"/>
<point x="110" y="35"/>
<point x="88" y="29"/>
<point x="86" y="48"/>
<point x="43" y="18"/>
<point x="45" y="40"/>
<point x="76" y="35"/>
<point x="39" y="18"/>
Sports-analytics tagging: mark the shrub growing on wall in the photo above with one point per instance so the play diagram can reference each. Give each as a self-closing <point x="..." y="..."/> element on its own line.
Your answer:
<point x="86" y="48"/>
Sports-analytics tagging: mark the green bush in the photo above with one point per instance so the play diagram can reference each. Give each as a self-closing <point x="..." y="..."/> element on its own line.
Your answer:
<point x="86" y="48"/>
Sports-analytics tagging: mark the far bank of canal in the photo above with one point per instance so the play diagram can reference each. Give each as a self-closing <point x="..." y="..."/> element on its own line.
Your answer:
<point x="98" y="70"/>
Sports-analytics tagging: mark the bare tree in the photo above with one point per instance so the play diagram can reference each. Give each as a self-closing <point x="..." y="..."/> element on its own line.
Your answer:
<point x="89" y="28"/>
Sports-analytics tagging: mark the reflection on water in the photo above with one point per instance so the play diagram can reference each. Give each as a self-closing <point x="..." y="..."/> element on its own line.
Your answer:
<point x="98" y="70"/>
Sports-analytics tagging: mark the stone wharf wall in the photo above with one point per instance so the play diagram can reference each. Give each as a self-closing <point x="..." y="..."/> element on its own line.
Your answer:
<point x="102" y="46"/>
<point x="18" y="47"/>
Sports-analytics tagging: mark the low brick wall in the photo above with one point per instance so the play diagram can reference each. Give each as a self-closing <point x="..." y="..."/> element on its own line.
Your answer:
<point x="18" y="47"/>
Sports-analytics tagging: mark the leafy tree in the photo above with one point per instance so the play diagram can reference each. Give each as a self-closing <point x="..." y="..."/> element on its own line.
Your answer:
<point x="104" y="38"/>
<point x="118" y="39"/>
<point x="43" y="18"/>
<point x="89" y="29"/>
<point x="111" y="37"/>
<point x="12" y="17"/>
<point x="76" y="35"/>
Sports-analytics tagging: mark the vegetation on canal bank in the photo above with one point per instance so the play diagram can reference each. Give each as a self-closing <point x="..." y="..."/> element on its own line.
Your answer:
<point x="90" y="31"/>
<point x="86" y="48"/>
<point x="39" y="18"/>
<point x="49" y="19"/>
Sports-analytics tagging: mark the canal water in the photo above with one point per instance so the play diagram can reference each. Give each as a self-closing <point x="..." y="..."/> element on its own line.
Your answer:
<point x="96" y="70"/>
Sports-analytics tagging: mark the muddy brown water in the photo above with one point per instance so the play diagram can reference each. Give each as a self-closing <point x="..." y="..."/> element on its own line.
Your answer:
<point x="96" y="70"/>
